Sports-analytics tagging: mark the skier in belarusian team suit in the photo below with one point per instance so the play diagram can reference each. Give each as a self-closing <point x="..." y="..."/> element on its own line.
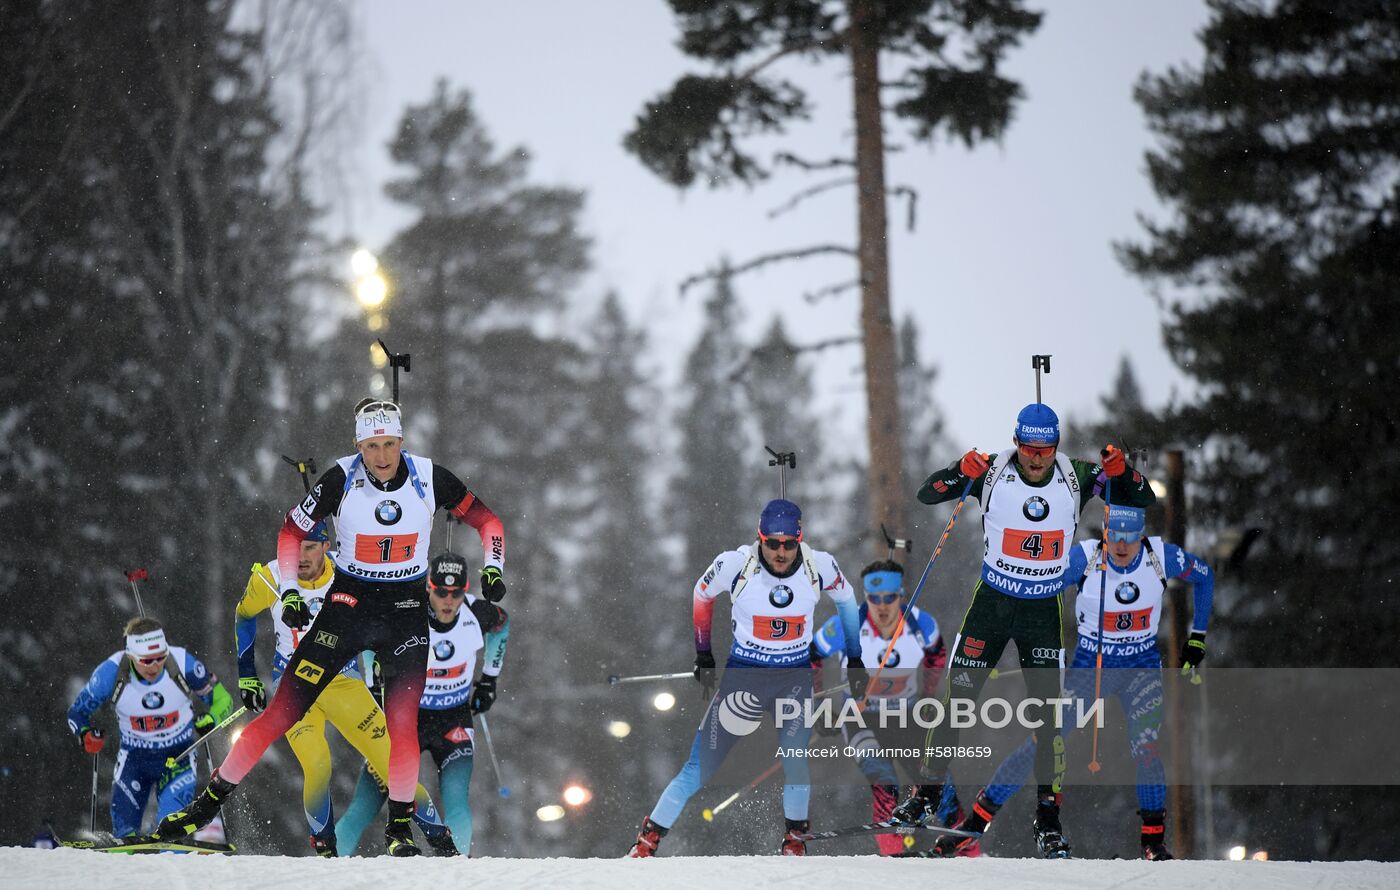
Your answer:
<point x="450" y="698"/>
<point x="774" y="585"/>
<point x="1138" y="569"/>
<point x="383" y="500"/>
<point x="1031" y="497"/>
<point x="152" y="686"/>
<point x="346" y="703"/>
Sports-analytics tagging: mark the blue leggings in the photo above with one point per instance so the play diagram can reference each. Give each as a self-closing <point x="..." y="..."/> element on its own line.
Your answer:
<point x="1139" y="692"/>
<point x="139" y="772"/>
<point x="755" y="689"/>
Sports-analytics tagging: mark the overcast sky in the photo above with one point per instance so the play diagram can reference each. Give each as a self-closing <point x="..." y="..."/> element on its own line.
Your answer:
<point x="1012" y="250"/>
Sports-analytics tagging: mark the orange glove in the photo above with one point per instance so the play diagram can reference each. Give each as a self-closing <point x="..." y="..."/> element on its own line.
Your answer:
<point x="973" y="464"/>
<point x="93" y="740"/>
<point x="1113" y="461"/>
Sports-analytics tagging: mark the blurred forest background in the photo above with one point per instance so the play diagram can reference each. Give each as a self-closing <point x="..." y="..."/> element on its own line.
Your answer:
<point x="174" y="320"/>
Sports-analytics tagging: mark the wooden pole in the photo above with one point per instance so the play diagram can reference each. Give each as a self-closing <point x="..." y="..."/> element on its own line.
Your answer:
<point x="1181" y="793"/>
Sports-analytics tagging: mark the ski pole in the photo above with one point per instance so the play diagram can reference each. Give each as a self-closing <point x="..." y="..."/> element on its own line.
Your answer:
<point x="996" y="673"/>
<point x="172" y="761"/>
<point x="92" y="817"/>
<point x="642" y="678"/>
<point x="502" y="788"/>
<point x="903" y="616"/>
<point x="782" y="460"/>
<point x="396" y="360"/>
<point x="306" y="467"/>
<point x="709" y="815"/>
<point x="138" y="574"/>
<point x="1094" y="765"/>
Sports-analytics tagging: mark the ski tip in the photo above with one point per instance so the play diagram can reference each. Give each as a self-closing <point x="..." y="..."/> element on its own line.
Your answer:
<point x="612" y="679"/>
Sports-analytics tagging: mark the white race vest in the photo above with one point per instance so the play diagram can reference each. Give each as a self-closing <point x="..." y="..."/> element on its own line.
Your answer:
<point x="772" y="617"/>
<point x="384" y="535"/>
<point x="1027" y="530"/>
<point x="452" y="662"/>
<point x="1132" y="606"/>
<point x="900" y="678"/>
<point x="157" y="714"/>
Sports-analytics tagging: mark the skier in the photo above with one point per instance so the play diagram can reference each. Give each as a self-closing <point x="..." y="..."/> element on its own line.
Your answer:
<point x="346" y="703"/>
<point x="1031" y="498"/>
<point x="449" y="699"/>
<point x="152" y="686"/>
<point x="1138" y="569"/>
<point x="912" y="671"/>
<point x="383" y="500"/>
<point x="774" y="585"/>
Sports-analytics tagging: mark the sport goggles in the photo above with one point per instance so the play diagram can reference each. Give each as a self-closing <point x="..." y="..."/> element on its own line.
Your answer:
<point x="1123" y="537"/>
<point x="376" y="407"/>
<point x="153" y="659"/>
<point x="455" y="593"/>
<point x="1036" y="450"/>
<point x="882" y="599"/>
<point x="775" y="545"/>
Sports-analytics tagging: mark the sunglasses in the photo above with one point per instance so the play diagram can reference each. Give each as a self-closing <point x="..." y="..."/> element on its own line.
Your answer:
<point x="775" y="545"/>
<point x="1037" y="450"/>
<point x="376" y="407"/>
<point x="154" y="659"/>
<point x="1123" y="537"/>
<point x="455" y="593"/>
<point x="882" y="599"/>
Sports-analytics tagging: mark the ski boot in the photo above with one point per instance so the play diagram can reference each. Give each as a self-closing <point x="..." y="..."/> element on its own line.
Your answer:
<point x="398" y="833"/>
<point x="1049" y="837"/>
<point x="1154" y="833"/>
<point x="441" y="843"/>
<point x="977" y="821"/>
<point x="183" y="823"/>
<point x="793" y="845"/>
<point x="324" y="844"/>
<point x="648" y="839"/>
<point x="919" y="807"/>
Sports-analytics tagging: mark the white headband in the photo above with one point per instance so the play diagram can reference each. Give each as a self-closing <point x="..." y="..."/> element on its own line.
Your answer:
<point x="384" y="420"/>
<point x="152" y="642"/>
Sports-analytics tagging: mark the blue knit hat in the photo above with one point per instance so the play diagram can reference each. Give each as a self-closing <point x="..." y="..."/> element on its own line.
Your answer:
<point x="1037" y="425"/>
<point x="1126" y="523"/>
<point x="319" y="532"/>
<point x="780" y="517"/>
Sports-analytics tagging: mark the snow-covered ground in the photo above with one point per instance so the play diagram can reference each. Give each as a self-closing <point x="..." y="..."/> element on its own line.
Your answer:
<point x="26" y="868"/>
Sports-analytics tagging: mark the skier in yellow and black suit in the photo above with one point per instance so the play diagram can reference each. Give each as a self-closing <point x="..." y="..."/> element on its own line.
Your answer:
<point x="346" y="703"/>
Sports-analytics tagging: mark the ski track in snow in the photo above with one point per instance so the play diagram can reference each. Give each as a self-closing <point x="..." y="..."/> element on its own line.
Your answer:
<point x="24" y="868"/>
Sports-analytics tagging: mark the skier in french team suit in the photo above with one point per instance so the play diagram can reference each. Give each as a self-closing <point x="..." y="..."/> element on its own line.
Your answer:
<point x="152" y="686"/>
<point x="383" y="500"/>
<point x="346" y="703"/>
<point x="1031" y="497"/>
<point x="449" y="699"/>
<point x="913" y="670"/>
<point x="1138" y="569"/>
<point x="773" y="585"/>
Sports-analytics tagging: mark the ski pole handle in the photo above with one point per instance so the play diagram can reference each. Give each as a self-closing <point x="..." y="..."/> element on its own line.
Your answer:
<point x="680" y="675"/>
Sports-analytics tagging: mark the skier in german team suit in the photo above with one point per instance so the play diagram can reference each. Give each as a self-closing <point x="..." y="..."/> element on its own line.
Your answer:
<point x="383" y="500"/>
<point x="1138" y="570"/>
<point x="1031" y="497"/>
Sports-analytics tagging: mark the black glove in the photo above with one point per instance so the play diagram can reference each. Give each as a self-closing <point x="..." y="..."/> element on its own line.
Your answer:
<point x="484" y="694"/>
<point x="253" y="693"/>
<point x="1194" y="652"/>
<point x="918" y="808"/>
<point x="705" y="673"/>
<point x="202" y="724"/>
<point x="493" y="587"/>
<point x="857" y="676"/>
<point x="296" y="614"/>
<point x="490" y="616"/>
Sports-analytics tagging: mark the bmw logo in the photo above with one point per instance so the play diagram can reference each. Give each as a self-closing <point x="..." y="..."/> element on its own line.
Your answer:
<point x="1127" y="592"/>
<point x="387" y="512"/>
<point x="894" y="660"/>
<point x="780" y="596"/>
<point x="152" y="700"/>
<point x="443" y="649"/>
<point x="1035" y="509"/>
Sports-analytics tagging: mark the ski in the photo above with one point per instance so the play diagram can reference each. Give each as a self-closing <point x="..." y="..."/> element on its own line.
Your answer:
<point x="148" y="845"/>
<point x="886" y="827"/>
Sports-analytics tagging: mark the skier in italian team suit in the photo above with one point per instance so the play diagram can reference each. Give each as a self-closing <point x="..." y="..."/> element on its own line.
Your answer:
<point x="383" y="500"/>
<point x="1031" y="497"/>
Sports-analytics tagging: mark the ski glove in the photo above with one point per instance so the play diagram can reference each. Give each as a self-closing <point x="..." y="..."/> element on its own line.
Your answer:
<point x="296" y="614"/>
<point x="489" y="615"/>
<point x="705" y="672"/>
<point x="857" y="676"/>
<point x="484" y="694"/>
<point x="93" y="739"/>
<point x="253" y="693"/>
<point x="918" y="808"/>
<point x="1114" y="463"/>
<point x="493" y="587"/>
<point x="973" y="464"/>
<point x="1194" y="652"/>
<point x="202" y="724"/>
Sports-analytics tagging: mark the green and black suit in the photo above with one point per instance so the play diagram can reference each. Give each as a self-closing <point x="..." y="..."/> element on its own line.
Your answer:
<point x="1028" y="529"/>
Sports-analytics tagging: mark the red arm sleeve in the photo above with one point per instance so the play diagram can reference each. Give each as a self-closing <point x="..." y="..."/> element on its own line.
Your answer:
<point x="493" y="533"/>
<point x="935" y="660"/>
